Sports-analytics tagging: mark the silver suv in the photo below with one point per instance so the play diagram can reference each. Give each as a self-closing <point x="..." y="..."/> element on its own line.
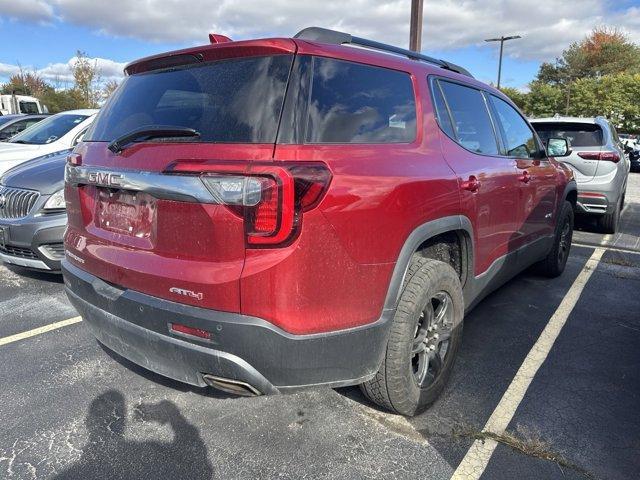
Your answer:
<point x="598" y="162"/>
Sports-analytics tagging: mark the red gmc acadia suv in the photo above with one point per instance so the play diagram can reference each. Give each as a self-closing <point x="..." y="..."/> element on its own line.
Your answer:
<point x="266" y="215"/>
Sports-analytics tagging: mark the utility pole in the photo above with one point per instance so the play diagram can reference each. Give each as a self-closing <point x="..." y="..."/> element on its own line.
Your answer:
<point x="415" y="33"/>
<point x="501" y="40"/>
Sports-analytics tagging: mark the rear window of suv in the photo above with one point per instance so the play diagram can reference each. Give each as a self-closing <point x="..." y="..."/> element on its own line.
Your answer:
<point x="578" y="134"/>
<point x="227" y="101"/>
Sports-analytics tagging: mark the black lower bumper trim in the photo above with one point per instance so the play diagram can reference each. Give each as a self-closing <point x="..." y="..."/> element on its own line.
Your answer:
<point x="244" y="349"/>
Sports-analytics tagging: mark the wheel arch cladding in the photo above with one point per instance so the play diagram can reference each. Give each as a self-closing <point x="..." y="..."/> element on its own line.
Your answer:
<point x="571" y="193"/>
<point x="421" y="237"/>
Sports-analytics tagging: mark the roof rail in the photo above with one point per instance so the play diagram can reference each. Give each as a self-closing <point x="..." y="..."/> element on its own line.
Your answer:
<point x="324" y="35"/>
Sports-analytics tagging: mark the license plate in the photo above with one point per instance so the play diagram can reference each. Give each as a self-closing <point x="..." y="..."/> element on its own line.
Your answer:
<point x="4" y="236"/>
<point x="126" y="213"/>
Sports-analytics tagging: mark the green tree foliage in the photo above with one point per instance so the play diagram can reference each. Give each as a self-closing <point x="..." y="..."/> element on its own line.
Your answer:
<point x="599" y="75"/>
<point x="606" y="51"/>
<point x="616" y="97"/>
<point x="544" y="100"/>
<point x="516" y="96"/>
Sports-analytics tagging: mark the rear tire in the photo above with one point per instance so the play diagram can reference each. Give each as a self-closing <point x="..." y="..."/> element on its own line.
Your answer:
<point x="556" y="260"/>
<point x="425" y="335"/>
<point x="608" y="223"/>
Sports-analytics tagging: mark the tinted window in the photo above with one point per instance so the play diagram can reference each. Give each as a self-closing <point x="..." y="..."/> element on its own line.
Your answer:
<point x="50" y="129"/>
<point x="441" y="110"/>
<point x="472" y="123"/>
<point x="578" y="134"/>
<point x="236" y="100"/>
<point x="614" y="133"/>
<point x="28" y="107"/>
<point x="10" y="130"/>
<point x="519" y="138"/>
<point x="353" y="103"/>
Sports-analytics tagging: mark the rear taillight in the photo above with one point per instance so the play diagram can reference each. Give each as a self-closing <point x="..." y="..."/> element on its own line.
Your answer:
<point x="311" y="182"/>
<point x="604" y="156"/>
<point x="270" y="198"/>
<point x="74" y="159"/>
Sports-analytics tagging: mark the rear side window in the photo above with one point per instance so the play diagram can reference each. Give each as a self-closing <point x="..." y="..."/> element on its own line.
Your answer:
<point x="472" y="124"/>
<point x="444" y="119"/>
<point x="519" y="138"/>
<point x="232" y="101"/>
<point x="354" y="103"/>
<point x="578" y="134"/>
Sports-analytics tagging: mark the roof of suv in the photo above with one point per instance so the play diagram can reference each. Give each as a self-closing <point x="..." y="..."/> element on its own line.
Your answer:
<point x="319" y="43"/>
<point x="566" y="119"/>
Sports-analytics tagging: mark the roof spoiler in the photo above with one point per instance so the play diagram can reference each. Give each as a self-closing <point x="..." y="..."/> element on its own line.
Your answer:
<point x="217" y="38"/>
<point x="324" y="35"/>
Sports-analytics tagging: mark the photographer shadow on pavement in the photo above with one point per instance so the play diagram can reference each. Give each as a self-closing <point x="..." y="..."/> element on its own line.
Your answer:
<point x="109" y="454"/>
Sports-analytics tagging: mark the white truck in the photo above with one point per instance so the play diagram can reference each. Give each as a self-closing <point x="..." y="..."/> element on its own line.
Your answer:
<point x="12" y="104"/>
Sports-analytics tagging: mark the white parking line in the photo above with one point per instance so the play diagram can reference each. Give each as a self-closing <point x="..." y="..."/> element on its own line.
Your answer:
<point x="39" y="330"/>
<point x="475" y="461"/>
<point x="607" y="247"/>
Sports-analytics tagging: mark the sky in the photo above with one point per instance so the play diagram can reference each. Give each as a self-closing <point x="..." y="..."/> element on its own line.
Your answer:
<point x="43" y="35"/>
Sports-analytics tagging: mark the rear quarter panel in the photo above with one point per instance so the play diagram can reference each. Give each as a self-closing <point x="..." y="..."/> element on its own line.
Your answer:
<point x="338" y="272"/>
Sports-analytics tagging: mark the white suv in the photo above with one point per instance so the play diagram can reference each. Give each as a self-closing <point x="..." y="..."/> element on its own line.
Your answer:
<point x="598" y="162"/>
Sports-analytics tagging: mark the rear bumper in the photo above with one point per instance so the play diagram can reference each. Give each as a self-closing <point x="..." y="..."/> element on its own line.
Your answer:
<point x="594" y="205"/>
<point x="243" y="349"/>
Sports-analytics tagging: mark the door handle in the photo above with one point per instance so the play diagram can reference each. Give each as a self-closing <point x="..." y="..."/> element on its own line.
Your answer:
<point x="472" y="184"/>
<point x="525" y="177"/>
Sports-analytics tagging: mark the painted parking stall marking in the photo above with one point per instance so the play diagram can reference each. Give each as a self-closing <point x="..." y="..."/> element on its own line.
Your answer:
<point x="477" y="458"/>
<point x="37" y="331"/>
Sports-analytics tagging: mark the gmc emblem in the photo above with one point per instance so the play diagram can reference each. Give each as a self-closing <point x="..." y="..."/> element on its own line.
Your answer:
<point x="105" y="178"/>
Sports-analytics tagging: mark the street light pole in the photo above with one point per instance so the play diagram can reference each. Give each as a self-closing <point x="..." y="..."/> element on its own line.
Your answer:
<point x="415" y="33"/>
<point x="502" y="39"/>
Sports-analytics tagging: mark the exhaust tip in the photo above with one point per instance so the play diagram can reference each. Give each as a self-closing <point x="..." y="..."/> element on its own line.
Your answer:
<point x="235" y="387"/>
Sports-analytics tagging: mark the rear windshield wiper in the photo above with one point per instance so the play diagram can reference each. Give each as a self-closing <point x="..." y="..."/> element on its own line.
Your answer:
<point x="147" y="133"/>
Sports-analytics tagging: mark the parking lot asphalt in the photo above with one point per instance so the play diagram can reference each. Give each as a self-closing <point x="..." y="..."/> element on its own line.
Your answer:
<point x="71" y="409"/>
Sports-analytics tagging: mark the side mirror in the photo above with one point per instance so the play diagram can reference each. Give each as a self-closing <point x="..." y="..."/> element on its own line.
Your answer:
<point x="558" y="147"/>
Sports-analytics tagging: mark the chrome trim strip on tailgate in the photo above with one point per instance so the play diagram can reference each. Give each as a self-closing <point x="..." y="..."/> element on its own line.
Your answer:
<point x="182" y="188"/>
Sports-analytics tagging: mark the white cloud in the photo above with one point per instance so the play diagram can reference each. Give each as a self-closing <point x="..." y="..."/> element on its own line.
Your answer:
<point x="7" y="70"/>
<point x="547" y="26"/>
<point x="39" y="11"/>
<point x="60" y="74"/>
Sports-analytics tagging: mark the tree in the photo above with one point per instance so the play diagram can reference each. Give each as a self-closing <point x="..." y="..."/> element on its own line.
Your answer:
<point x="605" y="51"/>
<point x="86" y="79"/>
<point x="599" y="75"/>
<point x="516" y="96"/>
<point x="25" y="83"/>
<point x="614" y="96"/>
<point x="544" y="100"/>
<point x="108" y="88"/>
<point x="86" y="91"/>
